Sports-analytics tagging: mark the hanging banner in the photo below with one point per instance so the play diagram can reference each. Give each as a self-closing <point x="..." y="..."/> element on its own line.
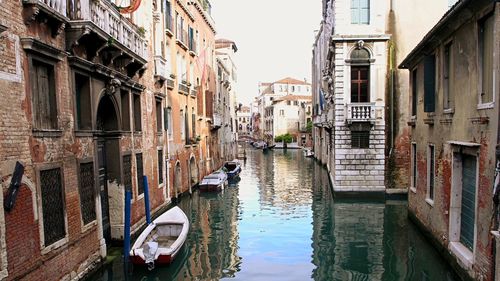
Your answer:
<point x="134" y="5"/>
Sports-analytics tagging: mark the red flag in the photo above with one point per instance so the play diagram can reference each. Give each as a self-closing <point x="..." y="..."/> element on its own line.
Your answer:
<point x="134" y="5"/>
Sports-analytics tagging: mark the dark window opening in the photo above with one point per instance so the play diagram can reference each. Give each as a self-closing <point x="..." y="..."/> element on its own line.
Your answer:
<point x="431" y="172"/>
<point x="486" y="50"/>
<point x="429" y="83"/>
<point x="127" y="172"/>
<point x="137" y="113"/>
<point x="160" y="166"/>
<point x="414" y="93"/>
<point x="360" y="139"/>
<point x="83" y="108"/>
<point x="125" y="100"/>
<point x="159" y="124"/>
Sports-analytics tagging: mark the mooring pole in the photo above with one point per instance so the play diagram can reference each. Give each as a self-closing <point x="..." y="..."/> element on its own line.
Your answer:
<point x="146" y="199"/>
<point x="126" y="229"/>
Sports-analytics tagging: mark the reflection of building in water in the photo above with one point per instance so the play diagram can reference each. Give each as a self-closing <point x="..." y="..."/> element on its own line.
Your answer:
<point x="213" y="235"/>
<point x="284" y="182"/>
<point x="359" y="230"/>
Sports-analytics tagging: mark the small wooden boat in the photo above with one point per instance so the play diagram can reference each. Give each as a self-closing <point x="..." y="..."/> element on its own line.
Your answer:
<point x="233" y="168"/>
<point x="215" y="181"/>
<point x="162" y="239"/>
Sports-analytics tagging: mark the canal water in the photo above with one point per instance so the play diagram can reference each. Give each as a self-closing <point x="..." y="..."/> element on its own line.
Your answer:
<point x="281" y="222"/>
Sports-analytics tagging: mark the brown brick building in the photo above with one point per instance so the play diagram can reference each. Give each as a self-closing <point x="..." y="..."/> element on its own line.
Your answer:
<point x="90" y="101"/>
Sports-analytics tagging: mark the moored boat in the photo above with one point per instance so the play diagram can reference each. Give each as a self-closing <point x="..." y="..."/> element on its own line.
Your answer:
<point x="233" y="168"/>
<point x="162" y="239"/>
<point x="215" y="181"/>
<point x="308" y="152"/>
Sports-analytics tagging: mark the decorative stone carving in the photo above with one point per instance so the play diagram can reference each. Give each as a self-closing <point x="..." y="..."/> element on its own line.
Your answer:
<point x="112" y="85"/>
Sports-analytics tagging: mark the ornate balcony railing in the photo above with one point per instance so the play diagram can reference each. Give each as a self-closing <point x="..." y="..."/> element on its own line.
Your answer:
<point x="161" y="67"/>
<point x="58" y="6"/>
<point x="360" y="112"/>
<point x="106" y="17"/>
<point x="183" y="89"/>
<point x="217" y="121"/>
<point x="194" y="91"/>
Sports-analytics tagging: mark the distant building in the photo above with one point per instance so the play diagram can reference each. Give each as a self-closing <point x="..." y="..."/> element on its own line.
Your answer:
<point x="286" y="94"/>
<point x="243" y="121"/>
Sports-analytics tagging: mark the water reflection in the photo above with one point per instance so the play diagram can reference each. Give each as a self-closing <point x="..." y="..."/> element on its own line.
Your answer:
<point x="281" y="222"/>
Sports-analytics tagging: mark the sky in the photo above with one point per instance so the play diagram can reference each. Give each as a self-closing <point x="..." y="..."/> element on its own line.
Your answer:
<point x="274" y="39"/>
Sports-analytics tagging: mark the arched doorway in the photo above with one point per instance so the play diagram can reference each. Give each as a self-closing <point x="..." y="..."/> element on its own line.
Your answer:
<point x="193" y="171"/>
<point x="177" y="179"/>
<point x="108" y="155"/>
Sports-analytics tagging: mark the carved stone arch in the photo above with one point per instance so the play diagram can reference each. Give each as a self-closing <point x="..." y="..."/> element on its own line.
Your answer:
<point x="107" y="117"/>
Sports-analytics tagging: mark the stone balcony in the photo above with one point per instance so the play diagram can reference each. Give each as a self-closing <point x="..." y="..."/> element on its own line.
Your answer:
<point x="161" y="71"/>
<point x="109" y="38"/>
<point x="52" y="12"/>
<point x="217" y="121"/>
<point x="360" y="112"/>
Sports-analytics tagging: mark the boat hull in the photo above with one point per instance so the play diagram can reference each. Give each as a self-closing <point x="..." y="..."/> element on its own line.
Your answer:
<point x="162" y="259"/>
<point x="210" y="187"/>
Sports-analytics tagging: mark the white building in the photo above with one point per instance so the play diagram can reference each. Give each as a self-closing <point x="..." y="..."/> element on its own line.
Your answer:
<point x="243" y="121"/>
<point x="226" y="97"/>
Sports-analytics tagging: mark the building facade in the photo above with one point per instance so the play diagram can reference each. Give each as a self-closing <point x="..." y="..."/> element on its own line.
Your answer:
<point x="453" y="120"/>
<point x="90" y="106"/>
<point x="357" y="90"/>
<point x="243" y="118"/>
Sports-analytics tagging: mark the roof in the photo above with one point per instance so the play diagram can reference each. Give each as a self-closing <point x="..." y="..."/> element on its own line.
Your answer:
<point x="452" y="20"/>
<point x="225" y="43"/>
<point x="293" y="98"/>
<point x="289" y="80"/>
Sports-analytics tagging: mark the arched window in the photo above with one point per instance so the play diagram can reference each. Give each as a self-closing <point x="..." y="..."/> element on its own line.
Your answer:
<point x="360" y="75"/>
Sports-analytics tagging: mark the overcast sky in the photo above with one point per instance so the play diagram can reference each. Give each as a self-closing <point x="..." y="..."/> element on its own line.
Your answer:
<point x="274" y="39"/>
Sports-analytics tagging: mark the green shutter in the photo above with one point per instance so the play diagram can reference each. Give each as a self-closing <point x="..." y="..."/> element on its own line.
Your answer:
<point x="468" y="210"/>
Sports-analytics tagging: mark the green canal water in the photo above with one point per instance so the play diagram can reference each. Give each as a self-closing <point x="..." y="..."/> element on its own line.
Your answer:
<point x="281" y="222"/>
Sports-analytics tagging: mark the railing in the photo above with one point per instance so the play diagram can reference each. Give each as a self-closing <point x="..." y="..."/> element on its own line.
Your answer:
<point x="217" y="121"/>
<point x="170" y="83"/>
<point x="194" y="91"/>
<point x="360" y="112"/>
<point x="183" y="88"/>
<point x="105" y="16"/>
<point x="161" y="67"/>
<point x="56" y="5"/>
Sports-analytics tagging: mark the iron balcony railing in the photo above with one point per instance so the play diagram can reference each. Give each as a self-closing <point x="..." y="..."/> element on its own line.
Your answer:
<point x="360" y="112"/>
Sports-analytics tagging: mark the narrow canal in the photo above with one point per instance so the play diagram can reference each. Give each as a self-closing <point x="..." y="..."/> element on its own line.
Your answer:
<point x="280" y="222"/>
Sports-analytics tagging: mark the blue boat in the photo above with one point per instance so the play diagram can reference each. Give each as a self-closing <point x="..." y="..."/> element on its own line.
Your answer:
<point x="232" y="168"/>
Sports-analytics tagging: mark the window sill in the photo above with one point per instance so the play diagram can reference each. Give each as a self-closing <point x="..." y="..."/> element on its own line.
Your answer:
<point x="46" y="133"/>
<point x="55" y="245"/>
<point x="429" y="201"/>
<point x="89" y="226"/>
<point x="463" y="254"/>
<point x="413" y="189"/>
<point x="138" y="133"/>
<point x="488" y="105"/>
<point x="449" y="111"/>
<point x="84" y="133"/>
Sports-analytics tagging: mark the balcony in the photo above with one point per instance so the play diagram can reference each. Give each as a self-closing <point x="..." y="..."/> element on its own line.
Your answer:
<point x="161" y="72"/>
<point x="170" y="82"/>
<point x="183" y="88"/>
<point x="360" y="112"/>
<point x="194" y="91"/>
<point x="217" y="121"/>
<point x="182" y="39"/>
<point x="53" y="12"/>
<point x="107" y="35"/>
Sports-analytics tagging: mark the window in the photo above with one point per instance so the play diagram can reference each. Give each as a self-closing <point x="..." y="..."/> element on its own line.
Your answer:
<point x="43" y="96"/>
<point x="168" y="15"/>
<point x="360" y="11"/>
<point x="429" y="83"/>
<point x="293" y="88"/>
<point x="186" y="125"/>
<point x="431" y="162"/>
<point x="87" y="192"/>
<point x="137" y="113"/>
<point x="360" y="139"/>
<point x="183" y="121"/>
<point x="83" y="109"/>
<point x="414" y="165"/>
<point x="295" y="103"/>
<point x="168" y="121"/>
<point x="288" y="102"/>
<point x="486" y="46"/>
<point x="52" y="194"/>
<point x="125" y="100"/>
<point x="447" y="77"/>
<point x="414" y="92"/>
<point x="127" y="172"/>
<point x="159" y="124"/>
<point x="193" y="122"/>
<point x="468" y="205"/>
<point x="282" y="112"/>
<point x="140" y="173"/>
<point x="360" y="84"/>
<point x="160" y="166"/>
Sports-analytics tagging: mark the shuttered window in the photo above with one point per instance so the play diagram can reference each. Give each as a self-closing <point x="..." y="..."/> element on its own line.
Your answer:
<point x="52" y="205"/>
<point x="160" y="166"/>
<point x="44" y="96"/>
<point x="414" y="93"/>
<point x="486" y="46"/>
<point x="360" y="11"/>
<point x="429" y="83"/>
<point x="140" y="173"/>
<point x="468" y="207"/>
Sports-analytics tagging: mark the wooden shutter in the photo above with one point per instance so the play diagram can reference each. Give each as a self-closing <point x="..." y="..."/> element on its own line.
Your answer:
<point x="429" y="83"/>
<point x="468" y="207"/>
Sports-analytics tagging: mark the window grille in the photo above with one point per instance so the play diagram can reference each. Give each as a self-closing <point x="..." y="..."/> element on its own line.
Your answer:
<point x="360" y="139"/>
<point x="52" y="205"/>
<point x="87" y="192"/>
<point x="127" y="172"/>
<point x="140" y="173"/>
